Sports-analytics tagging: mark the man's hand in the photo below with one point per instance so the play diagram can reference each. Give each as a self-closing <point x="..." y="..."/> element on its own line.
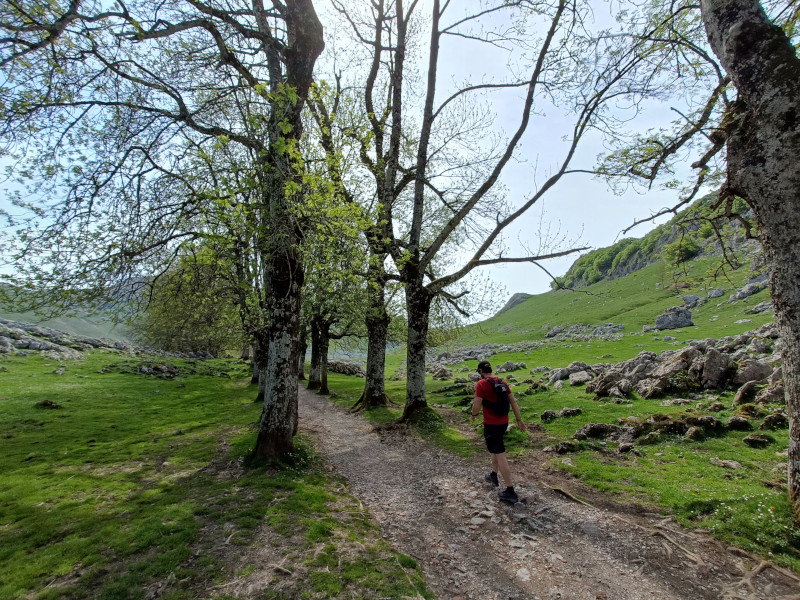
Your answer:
<point x="522" y="426"/>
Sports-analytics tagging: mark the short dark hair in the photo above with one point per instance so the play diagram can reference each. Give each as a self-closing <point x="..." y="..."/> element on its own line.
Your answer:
<point x="484" y="367"/>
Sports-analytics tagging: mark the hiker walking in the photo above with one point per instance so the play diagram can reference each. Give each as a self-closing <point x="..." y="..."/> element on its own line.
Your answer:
<point x="494" y="395"/>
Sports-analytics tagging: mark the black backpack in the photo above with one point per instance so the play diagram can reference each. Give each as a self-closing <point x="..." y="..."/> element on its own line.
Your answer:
<point x="501" y="391"/>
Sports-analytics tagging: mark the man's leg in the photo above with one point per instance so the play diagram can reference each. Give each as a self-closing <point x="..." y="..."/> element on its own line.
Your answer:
<point x="500" y="463"/>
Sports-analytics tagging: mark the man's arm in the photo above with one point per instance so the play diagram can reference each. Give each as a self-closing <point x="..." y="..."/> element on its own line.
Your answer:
<point x="515" y="408"/>
<point x="477" y="406"/>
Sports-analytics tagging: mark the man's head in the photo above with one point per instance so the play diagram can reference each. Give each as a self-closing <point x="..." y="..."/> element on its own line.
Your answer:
<point x="484" y="367"/>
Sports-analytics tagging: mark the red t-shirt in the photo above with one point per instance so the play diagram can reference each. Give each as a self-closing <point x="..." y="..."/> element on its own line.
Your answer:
<point x="484" y="389"/>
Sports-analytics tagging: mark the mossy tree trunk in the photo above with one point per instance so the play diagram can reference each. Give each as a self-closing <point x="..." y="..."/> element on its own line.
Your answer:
<point x="763" y="146"/>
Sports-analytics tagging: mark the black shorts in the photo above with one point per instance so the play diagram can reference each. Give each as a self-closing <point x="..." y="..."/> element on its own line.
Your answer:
<point x="493" y="434"/>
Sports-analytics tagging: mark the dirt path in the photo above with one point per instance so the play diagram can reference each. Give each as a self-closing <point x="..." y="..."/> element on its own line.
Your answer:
<point x="435" y="507"/>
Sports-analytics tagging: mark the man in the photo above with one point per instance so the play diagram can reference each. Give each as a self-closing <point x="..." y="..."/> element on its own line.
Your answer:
<point x="494" y="428"/>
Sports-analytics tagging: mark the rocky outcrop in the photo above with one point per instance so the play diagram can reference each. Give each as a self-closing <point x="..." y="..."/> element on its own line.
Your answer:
<point x="515" y="300"/>
<point x="584" y="333"/>
<point x="704" y="364"/>
<point x="748" y="290"/>
<point x="25" y="337"/>
<point x="343" y="367"/>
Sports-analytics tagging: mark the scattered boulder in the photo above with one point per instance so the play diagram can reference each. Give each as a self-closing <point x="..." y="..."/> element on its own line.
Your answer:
<point x="625" y="448"/>
<point x="569" y="412"/>
<point x="777" y="420"/>
<point x="675" y="317"/>
<point x="758" y="440"/>
<point x="716" y="293"/>
<point x="737" y="423"/>
<point x="549" y="416"/>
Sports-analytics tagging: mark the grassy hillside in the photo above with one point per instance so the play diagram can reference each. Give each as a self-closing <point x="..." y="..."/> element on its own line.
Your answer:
<point x="633" y="301"/>
<point x="94" y="327"/>
<point x="78" y="323"/>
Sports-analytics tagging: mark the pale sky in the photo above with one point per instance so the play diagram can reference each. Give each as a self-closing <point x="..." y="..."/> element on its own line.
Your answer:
<point x="580" y="211"/>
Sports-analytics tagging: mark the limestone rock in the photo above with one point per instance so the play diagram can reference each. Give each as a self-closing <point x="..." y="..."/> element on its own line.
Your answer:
<point x="580" y="378"/>
<point x="675" y="317"/>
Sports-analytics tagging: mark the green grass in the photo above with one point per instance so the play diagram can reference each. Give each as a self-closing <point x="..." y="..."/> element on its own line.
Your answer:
<point x="119" y="487"/>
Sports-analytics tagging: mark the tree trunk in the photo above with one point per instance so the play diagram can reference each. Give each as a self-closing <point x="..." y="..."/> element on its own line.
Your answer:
<point x="260" y="360"/>
<point x="763" y="146"/>
<point x="279" y="416"/>
<point x="377" y="321"/>
<point x="314" y="373"/>
<point x="325" y="342"/>
<point x="302" y="347"/>
<point x="254" y="369"/>
<point x="418" y="306"/>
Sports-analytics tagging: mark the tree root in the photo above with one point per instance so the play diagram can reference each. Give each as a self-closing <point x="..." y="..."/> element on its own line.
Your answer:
<point x="732" y="590"/>
<point x="362" y="404"/>
<point x="566" y="494"/>
<point x="699" y="561"/>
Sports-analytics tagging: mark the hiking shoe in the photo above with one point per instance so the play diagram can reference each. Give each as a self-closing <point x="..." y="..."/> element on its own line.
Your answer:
<point x="509" y="496"/>
<point x="491" y="478"/>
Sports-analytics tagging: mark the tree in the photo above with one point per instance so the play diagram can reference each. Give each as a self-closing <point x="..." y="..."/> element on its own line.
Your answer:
<point x="191" y="310"/>
<point x="110" y="105"/>
<point x="763" y="142"/>
<point x="333" y="296"/>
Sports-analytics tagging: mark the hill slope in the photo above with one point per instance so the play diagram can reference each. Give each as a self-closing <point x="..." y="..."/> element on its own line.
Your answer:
<point x="695" y="231"/>
<point x="633" y="302"/>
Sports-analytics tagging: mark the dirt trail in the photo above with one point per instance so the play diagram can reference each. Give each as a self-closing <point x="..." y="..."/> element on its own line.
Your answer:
<point x="435" y="507"/>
